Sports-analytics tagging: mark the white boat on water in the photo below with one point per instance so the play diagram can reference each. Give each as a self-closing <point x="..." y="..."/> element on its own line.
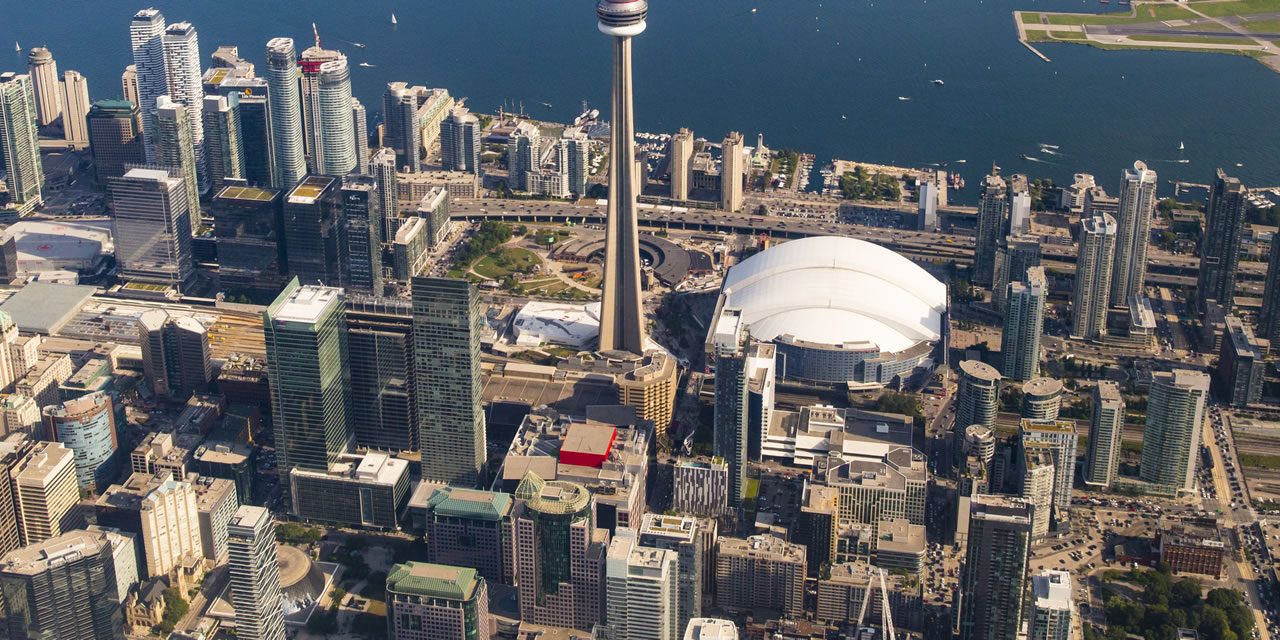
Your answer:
<point x="903" y="98"/>
<point x="367" y="65"/>
<point x="17" y="48"/>
<point x="939" y="82"/>
<point x="1044" y="145"/>
<point x="393" y="19"/>
<point x="1181" y="147"/>
<point x="359" y="45"/>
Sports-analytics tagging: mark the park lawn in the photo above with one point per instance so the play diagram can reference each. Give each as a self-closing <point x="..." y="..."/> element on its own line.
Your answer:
<point x="1235" y="7"/>
<point x="517" y="259"/>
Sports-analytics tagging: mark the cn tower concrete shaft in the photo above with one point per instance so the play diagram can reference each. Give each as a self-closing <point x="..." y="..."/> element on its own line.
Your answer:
<point x="621" y="315"/>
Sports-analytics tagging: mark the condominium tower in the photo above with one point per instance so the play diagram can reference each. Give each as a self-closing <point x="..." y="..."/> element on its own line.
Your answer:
<point x="1220" y="244"/>
<point x="146" y="32"/>
<point x="1091" y="296"/>
<point x="993" y="577"/>
<point x="255" y="575"/>
<point x="1137" y="204"/>
<point x="1023" y="325"/>
<point x="286" y="113"/>
<point x="1175" y="418"/>
<point x="1106" y="428"/>
<point x="326" y="111"/>
<point x="43" y="70"/>
<point x="19" y="145"/>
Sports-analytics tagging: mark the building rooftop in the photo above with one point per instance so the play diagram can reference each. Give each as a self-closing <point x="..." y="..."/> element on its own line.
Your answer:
<point x="980" y="370"/>
<point x="41" y="464"/>
<point x="710" y="629"/>
<point x="252" y="194"/>
<point x="306" y="304"/>
<point x="310" y="189"/>
<point x="470" y="503"/>
<point x="766" y="545"/>
<point x="42" y="307"/>
<point x="248" y="516"/>
<point x="1052" y="590"/>
<point x="683" y="527"/>
<point x="150" y="175"/>
<point x="433" y="580"/>
<point x="1042" y="387"/>
<point x="1062" y="427"/>
<point x="900" y="536"/>
<point x="37" y="558"/>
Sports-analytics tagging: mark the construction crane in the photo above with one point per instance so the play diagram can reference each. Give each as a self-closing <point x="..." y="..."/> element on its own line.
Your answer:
<point x="886" y="617"/>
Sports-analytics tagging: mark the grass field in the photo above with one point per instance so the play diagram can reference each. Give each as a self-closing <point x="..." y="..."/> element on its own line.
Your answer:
<point x="1262" y="26"/>
<point x="1219" y="8"/>
<point x="1143" y="13"/>
<point x="1037" y="35"/>
<point x="1198" y="39"/>
<point x="506" y="261"/>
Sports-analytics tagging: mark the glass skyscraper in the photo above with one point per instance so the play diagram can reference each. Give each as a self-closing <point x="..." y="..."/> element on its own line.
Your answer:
<point x="151" y="227"/>
<point x="285" y="101"/>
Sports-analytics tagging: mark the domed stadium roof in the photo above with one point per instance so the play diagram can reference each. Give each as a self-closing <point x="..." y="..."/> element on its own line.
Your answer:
<point x="834" y="291"/>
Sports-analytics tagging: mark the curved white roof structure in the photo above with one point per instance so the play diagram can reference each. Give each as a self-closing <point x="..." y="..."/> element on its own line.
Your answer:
<point x="836" y="291"/>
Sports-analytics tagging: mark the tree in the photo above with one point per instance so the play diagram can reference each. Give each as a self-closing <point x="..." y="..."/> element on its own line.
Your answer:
<point x="1184" y="594"/>
<point x="1214" y="625"/>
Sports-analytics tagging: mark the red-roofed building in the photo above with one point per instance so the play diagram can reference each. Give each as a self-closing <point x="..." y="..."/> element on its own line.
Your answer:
<point x="588" y="444"/>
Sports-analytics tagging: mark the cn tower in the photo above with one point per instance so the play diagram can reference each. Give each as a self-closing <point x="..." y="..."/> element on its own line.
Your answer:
<point x="621" y="314"/>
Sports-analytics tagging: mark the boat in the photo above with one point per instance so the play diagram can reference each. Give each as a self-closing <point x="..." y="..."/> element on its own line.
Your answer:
<point x="844" y="117"/>
<point x="903" y="98"/>
<point x="366" y="65"/>
<point x="359" y="45"/>
<point x="1181" y="147"/>
<point x="1184" y="161"/>
<point x="1044" y="145"/>
<point x="393" y="19"/>
<point x="1239" y="164"/>
<point x="17" y="48"/>
<point x="939" y="82"/>
<point x="961" y="161"/>
<point x="545" y="104"/>
<point x="1027" y="157"/>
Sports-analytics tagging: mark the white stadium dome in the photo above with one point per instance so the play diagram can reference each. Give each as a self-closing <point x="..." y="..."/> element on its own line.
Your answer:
<point x="835" y="293"/>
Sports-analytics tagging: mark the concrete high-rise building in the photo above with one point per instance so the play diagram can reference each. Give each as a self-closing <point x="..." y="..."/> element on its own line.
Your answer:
<point x="182" y="67"/>
<point x="622" y="319"/>
<point x="1019" y="204"/>
<point x="1220" y="244"/>
<point x="1014" y="256"/>
<point x="45" y="492"/>
<point x="313" y="230"/>
<point x="151" y="228"/>
<point x="146" y="33"/>
<point x="19" y="145"/>
<point x="382" y="166"/>
<point x="216" y="504"/>
<point x="524" y="151"/>
<point x="1023" y="325"/>
<point x="285" y="101"/>
<point x="1175" y="418"/>
<point x="641" y="590"/>
<point x="1042" y="398"/>
<point x="170" y="526"/>
<point x="43" y="70"/>
<point x="1133" y="221"/>
<point x="129" y="84"/>
<point x="447" y="324"/>
<point x="1036" y="485"/>
<point x="175" y="353"/>
<point x="1106" y="428"/>
<point x="1241" y="364"/>
<point x="247" y="225"/>
<point x="224" y="142"/>
<point x="993" y="206"/>
<point x="685" y="537"/>
<point x="560" y="554"/>
<point x="437" y="602"/>
<point x="927" y="205"/>
<point x="115" y="137"/>
<point x="380" y="356"/>
<point x="1051" y="609"/>
<point x="468" y="528"/>
<point x="175" y="150"/>
<point x="1060" y="437"/>
<point x="700" y="488"/>
<point x="63" y="587"/>
<point x="75" y="108"/>
<point x="460" y="141"/>
<point x="576" y="154"/>
<point x="362" y="226"/>
<point x="326" y="111"/>
<point x="87" y="426"/>
<point x="731" y="341"/>
<point x="680" y="164"/>
<point x="978" y="397"/>
<point x="255" y="575"/>
<point x="993" y="578"/>
<point x="1091" y="296"/>
<point x="413" y="117"/>
<point x="307" y="364"/>
<point x="10" y="535"/>
<point x="360" y="125"/>
<point x="1269" y="319"/>
<point x="733" y="172"/>
<point x="763" y="572"/>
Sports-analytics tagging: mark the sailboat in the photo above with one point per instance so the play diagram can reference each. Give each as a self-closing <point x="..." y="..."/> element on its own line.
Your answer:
<point x="393" y="19"/>
<point x="1181" y="147"/>
<point x="17" y="48"/>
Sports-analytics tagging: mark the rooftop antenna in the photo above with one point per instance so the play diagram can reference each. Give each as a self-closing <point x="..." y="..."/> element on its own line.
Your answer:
<point x="316" y="33"/>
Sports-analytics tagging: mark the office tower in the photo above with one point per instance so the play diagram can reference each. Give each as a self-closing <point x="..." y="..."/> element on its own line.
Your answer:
<point x="382" y="166"/>
<point x="182" y="67"/>
<point x="224" y="146"/>
<point x="733" y="172"/>
<point x="731" y="340"/>
<point x="129" y="84"/>
<point x="151" y="228"/>
<point x="1036" y="486"/>
<point x="1106" y="429"/>
<point x="362" y="250"/>
<point x="818" y="526"/>
<point x="307" y="364"/>
<point x="1133" y="221"/>
<point x="469" y="528"/>
<point x="685" y="537"/>
<point x="1220" y="245"/>
<point x="1269" y="319"/>
<point x="560" y="554"/>
<point x="1175" y="417"/>
<point x="680" y="164"/>
<point x="313" y="230"/>
<point x="1023" y="325"/>
<point x="175" y="150"/>
<point x="45" y="492"/>
<point x="763" y="572"/>
<point x="1060" y="437"/>
<point x="64" y="588"/>
<point x="460" y="141"/>
<point x="641" y="590"/>
<point x="75" y="107"/>
<point x="576" y="156"/>
<point x="622" y="320"/>
<point x="175" y="353"/>
<point x="285" y="101"/>
<point x="995" y="570"/>
<point x="1051" y="609"/>
<point x="19" y="144"/>
<point x="87" y="426"/>
<point x="1019" y="205"/>
<point x="436" y="602"/>
<point x="1241" y="364"/>
<point x="1014" y="256"/>
<point x="146" y="32"/>
<point x="978" y="397"/>
<point x="170" y="526"/>
<point x="993" y="204"/>
<point x="255" y="575"/>
<point x="10" y="534"/>
<point x="256" y="142"/>
<point x="43" y="70"/>
<point x="360" y="124"/>
<point x="380" y="353"/>
<point x="124" y="558"/>
<point x="446" y="350"/>
<point x="115" y="137"/>
<point x="524" y="148"/>
<point x="711" y="629"/>
<point x="366" y="490"/>
<point x="1091" y="296"/>
<point x="246" y="227"/>
<point x="326" y="111"/>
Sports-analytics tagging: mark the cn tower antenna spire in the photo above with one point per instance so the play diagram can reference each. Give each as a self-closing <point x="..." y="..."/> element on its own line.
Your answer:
<point x="316" y="32"/>
<point x="621" y="314"/>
